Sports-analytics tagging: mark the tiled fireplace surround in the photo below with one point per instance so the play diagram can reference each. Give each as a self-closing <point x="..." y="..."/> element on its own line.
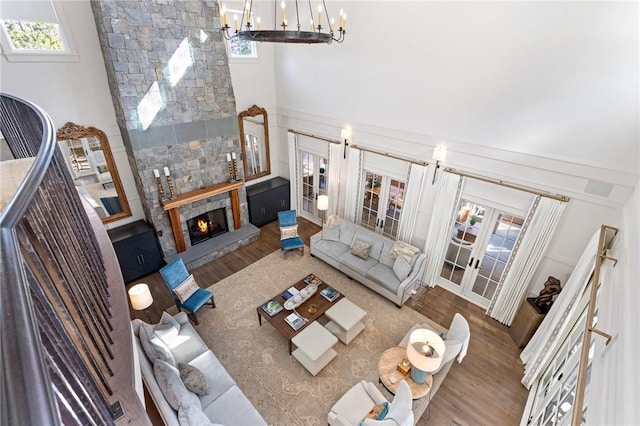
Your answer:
<point x="156" y="55"/>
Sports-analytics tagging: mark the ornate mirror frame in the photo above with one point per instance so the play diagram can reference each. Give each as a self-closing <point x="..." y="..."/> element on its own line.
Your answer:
<point x="98" y="171"/>
<point x="263" y="146"/>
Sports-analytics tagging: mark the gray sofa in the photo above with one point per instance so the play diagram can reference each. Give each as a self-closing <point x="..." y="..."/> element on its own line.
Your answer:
<point x="225" y="404"/>
<point x="380" y="271"/>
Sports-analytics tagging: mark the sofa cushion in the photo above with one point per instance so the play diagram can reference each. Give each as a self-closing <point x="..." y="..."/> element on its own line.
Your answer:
<point x="374" y="239"/>
<point x="357" y="264"/>
<point x="233" y="408"/>
<point x="385" y="253"/>
<point x="167" y="318"/>
<point x="385" y="277"/>
<point x="169" y="382"/>
<point x="347" y="231"/>
<point x="332" y="249"/>
<point x="218" y="378"/>
<point x="360" y="248"/>
<point x="187" y="345"/>
<point x="401" y="268"/>
<point x="331" y="233"/>
<point x="193" y="379"/>
<point x="193" y="415"/>
<point x="154" y="346"/>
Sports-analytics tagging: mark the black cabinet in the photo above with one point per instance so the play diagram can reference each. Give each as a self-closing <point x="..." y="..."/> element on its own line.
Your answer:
<point x="137" y="249"/>
<point x="266" y="199"/>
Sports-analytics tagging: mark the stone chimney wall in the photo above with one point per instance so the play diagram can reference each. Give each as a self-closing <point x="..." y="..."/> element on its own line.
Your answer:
<point x="169" y="78"/>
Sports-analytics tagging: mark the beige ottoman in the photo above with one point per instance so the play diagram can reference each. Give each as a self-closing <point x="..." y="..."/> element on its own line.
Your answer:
<point x="346" y="320"/>
<point x="314" y="347"/>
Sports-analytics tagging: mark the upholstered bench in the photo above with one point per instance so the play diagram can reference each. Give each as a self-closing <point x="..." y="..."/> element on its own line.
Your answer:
<point x="314" y="347"/>
<point x="346" y="320"/>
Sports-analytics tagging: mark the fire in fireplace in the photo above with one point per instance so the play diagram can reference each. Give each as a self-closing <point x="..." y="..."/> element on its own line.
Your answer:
<point x="207" y="225"/>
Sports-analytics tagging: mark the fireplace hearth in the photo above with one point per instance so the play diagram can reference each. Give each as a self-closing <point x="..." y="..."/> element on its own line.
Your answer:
<point x="207" y="225"/>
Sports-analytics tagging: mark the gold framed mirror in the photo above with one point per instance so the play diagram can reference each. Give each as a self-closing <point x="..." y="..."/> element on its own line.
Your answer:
<point x="254" y="142"/>
<point x="88" y="157"/>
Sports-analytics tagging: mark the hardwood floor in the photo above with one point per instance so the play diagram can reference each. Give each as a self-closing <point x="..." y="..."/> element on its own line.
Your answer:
<point x="484" y="389"/>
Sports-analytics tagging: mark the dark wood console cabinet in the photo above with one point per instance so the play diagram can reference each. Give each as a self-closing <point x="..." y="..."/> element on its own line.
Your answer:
<point x="137" y="249"/>
<point x="266" y="199"/>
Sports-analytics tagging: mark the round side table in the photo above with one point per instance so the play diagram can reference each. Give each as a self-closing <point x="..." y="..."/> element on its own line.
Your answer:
<point x="390" y="377"/>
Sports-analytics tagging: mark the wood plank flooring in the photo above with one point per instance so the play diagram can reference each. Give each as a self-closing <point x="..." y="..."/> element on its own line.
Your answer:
<point x="484" y="389"/>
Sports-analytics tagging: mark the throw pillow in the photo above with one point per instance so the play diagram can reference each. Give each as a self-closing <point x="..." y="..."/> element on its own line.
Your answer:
<point x="194" y="379"/>
<point x="377" y="412"/>
<point x="331" y="233"/>
<point x="401" y="268"/>
<point x="167" y="318"/>
<point x="288" y="232"/>
<point x="153" y="345"/>
<point x="169" y="382"/>
<point x="192" y="415"/>
<point x="186" y="288"/>
<point x="403" y="249"/>
<point x="360" y="248"/>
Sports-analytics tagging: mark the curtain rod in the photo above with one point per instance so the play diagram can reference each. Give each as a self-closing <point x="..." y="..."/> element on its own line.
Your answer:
<point x="558" y="197"/>
<point x="298" y="132"/>
<point x="386" y="154"/>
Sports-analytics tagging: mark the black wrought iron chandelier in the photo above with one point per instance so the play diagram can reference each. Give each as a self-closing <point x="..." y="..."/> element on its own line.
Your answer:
<point x="246" y="27"/>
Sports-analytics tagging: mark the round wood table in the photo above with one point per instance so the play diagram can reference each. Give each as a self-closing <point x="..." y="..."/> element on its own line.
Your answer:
<point x="390" y="377"/>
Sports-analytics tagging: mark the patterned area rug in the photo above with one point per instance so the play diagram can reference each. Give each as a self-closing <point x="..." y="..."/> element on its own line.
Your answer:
<point x="257" y="357"/>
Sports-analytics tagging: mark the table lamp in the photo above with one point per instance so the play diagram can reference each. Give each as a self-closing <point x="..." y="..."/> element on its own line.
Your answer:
<point x="323" y="205"/>
<point x="425" y="351"/>
<point x="141" y="298"/>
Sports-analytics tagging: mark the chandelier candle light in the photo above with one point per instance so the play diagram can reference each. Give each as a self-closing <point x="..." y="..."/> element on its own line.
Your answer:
<point x="246" y="30"/>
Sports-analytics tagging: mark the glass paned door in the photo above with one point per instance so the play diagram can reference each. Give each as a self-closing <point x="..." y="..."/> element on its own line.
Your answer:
<point x="482" y="241"/>
<point x="314" y="183"/>
<point x="382" y="204"/>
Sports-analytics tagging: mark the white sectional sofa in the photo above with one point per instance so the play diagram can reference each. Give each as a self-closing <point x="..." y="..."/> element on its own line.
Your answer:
<point x="225" y="404"/>
<point x="389" y="276"/>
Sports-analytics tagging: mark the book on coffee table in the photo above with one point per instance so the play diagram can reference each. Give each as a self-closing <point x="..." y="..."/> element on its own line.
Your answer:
<point x="272" y="307"/>
<point x="330" y="293"/>
<point x="294" y="320"/>
<point x="312" y="279"/>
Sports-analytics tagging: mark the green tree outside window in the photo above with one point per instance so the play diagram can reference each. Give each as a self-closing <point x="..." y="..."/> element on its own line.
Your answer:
<point x="34" y="35"/>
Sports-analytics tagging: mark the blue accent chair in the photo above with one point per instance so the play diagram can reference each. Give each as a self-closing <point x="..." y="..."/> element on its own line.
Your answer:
<point x="173" y="275"/>
<point x="289" y="218"/>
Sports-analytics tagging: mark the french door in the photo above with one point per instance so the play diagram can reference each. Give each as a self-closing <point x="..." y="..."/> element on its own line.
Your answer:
<point x="314" y="183"/>
<point x="482" y="242"/>
<point x="382" y="204"/>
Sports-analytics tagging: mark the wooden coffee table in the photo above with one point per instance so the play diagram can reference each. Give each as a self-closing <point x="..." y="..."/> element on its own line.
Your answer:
<point x="278" y="322"/>
<point x="390" y="377"/>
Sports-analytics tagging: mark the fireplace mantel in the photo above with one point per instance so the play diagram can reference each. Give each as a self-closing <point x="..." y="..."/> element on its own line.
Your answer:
<point x="173" y="206"/>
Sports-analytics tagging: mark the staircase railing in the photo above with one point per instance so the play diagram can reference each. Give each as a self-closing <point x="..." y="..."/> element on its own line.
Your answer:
<point x="56" y="298"/>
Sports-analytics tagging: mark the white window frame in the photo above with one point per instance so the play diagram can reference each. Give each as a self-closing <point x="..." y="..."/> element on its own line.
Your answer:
<point x="254" y="46"/>
<point x="69" y="54"/>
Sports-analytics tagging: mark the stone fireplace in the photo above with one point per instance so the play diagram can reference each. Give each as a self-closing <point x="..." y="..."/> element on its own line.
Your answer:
<point x="172" y="92"/>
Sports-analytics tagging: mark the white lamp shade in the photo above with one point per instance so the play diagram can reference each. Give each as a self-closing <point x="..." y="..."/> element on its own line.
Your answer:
<point x="140" y="296"/>
<point x="419" y="342"/>
<point x="439" y="153"/>
<point x="323" y="202"/>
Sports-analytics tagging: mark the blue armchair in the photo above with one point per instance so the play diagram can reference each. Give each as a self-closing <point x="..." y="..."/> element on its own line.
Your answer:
<point x="289" y="239"/>
<point x="174" y="274"/>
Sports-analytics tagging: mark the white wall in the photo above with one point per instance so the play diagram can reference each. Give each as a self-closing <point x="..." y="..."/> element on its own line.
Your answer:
<point x="75" y="91"/>
<point x="615" y="387"/>
<point x="539" y="94"/>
